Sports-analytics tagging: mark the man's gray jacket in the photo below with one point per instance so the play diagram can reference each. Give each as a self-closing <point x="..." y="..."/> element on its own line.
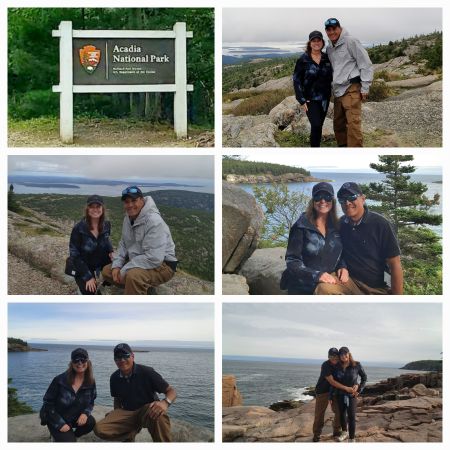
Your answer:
<point x="349" y="60"/>
<point x="146" y="243"/>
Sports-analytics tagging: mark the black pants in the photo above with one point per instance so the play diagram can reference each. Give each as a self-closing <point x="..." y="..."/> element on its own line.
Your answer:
<point x="347" y="412"/>
<point x="316" y="115"/>
<point x="71" y="435"/>
<point x="82" y="284"/>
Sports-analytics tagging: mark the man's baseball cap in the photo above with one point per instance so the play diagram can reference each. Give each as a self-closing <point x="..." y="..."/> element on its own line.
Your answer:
<point x="122" y="349"/>
<point x="322" y="187"/>
<point x="315" y="34"/>
<point x="79" y="353"/>
<point x="349" y="187"/>
<point x="333" y="352"/>
<point x="332" y="22"/>
<point x="94" y="199"/>
<point x="344" y="350"/>
<point x="131" y="191"/>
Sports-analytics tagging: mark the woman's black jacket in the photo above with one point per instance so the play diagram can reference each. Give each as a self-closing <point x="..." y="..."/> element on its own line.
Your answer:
<point x="349" y="377"/>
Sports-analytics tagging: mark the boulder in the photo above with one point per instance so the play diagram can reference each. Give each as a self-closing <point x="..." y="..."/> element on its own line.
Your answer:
<point x="242" y="219"/>
<point x="273" y="85"/>
<point x="232" y="126"/>
<point x="230" y="394"/>
<point x="27" y="428"/>
<point x="263" y="271"/>
<point x="285" y="112"/>
<point x="413" y="82"/>
<point x="233" y="284"/>
<point x="262" y="135"/>
<point x="302" y="126"/>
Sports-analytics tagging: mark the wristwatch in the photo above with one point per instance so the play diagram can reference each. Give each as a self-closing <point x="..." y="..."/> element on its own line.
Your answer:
<point x="168" y="401"/>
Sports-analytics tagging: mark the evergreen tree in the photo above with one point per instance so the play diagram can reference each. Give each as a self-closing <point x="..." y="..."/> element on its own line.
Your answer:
<point x="15" y="406"/>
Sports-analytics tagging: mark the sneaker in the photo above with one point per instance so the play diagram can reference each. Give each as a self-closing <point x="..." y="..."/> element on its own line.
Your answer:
<point x="336" y="436"/>
<point x="316" y="438"/>
<point x="352" y="440"/>
<point x="151" y="291"/>
<point x="343" y="437"/>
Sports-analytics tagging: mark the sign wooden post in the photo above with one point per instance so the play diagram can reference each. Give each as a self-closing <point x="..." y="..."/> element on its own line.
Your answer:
<point x="100" y="61"/>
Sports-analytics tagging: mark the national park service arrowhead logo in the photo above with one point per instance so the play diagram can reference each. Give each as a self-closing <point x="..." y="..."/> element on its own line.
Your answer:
<point x="89" y="58"/>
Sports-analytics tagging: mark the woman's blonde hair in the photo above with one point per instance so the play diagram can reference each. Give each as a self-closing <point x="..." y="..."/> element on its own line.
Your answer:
<point x="88" y="380"/>
<point x="332" y="219"/>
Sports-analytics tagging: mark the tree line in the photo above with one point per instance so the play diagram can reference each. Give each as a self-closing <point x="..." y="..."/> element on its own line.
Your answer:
<point x="235" y="166"/>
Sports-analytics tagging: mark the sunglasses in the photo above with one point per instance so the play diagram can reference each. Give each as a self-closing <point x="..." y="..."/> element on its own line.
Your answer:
<point x="131" y="190"/>
<point x="322" y="196"/>
<point x="331" y="23"/>
<point x="79" y="361"/>
<point x="348" y="198"/>
<point x="122" y="357"/>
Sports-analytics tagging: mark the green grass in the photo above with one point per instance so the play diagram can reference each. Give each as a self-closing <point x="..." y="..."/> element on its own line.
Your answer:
<point x="261" y="103"/>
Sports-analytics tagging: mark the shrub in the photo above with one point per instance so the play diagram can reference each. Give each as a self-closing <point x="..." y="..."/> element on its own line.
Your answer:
<point x="262" y="103"/>
<point x="35" y="103"/>
<point x="379" y="91"/>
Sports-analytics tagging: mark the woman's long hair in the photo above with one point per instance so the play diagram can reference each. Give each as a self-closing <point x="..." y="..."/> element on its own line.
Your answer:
<point x="351" y="360"/>
<point x="88" y="374"/>
<point x="101" y="221"/>
<point x="332" y="219"/>
<point x="308" y="48"/>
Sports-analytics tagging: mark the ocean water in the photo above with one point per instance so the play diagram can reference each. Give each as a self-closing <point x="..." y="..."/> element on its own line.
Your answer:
<point x="264" y="383"/>
<point x="190" y="371"/>
<point x="433" y="183"/>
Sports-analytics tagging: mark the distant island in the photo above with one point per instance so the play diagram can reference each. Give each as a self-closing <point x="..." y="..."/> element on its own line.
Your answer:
<point x="18" y="345"/>
<point x="428" y="365"/>
<point x="51" y="185"/>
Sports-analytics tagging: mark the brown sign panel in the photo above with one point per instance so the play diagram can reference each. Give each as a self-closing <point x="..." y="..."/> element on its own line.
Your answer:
<point x="123" y="61"/>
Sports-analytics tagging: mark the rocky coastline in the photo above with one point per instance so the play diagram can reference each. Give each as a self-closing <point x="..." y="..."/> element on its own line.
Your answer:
<point x="407" y="408"/>
<point x="16" y="345"/>
<point x="269" y="178"/>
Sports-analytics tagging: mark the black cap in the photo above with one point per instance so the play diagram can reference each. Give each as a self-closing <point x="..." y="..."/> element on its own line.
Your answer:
<point x="352" y="188"/>
<point x="131" y="191"/>
<point x="79" y="353"/>
<point x="315" y="34"/>
<point x="332" y="22"/>
<point x="94" y="199"/>
<point x="344" y="350"/>
<point x="322" y="187"/>
<point x="333" y="352"/>
<point x="122" y="349"/>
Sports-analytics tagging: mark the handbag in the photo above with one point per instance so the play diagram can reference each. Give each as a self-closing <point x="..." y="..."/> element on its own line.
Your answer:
<point x="70" y="267"/>
<point x="43" y="416"/>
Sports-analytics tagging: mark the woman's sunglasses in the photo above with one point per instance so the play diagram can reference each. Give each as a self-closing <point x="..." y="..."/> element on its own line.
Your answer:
<point x="79" y="361"/>
<point x="348" y="198"/>
<point x="322" y="196"/>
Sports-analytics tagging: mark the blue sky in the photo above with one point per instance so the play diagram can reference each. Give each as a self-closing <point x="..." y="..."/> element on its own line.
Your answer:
<point x="70" y="322"/>
<point x="384" y="332"/>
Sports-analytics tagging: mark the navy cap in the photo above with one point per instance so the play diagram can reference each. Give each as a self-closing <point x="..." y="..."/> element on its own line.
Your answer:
<point x="122" y="349"/>
<point x="131" y="191"/>
<point x="332" y="22"/>
<point x="352" y="188"/>
<point x="322" y="187"/>
<point x="315" y="34"/>
<point x="79" y="353"/>
<point x="333" y="352"/>
<point x="344" y="350"/>
<point x="94" y="199"/>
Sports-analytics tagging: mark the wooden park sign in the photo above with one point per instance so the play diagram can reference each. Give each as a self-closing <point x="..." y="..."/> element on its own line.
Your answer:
<point x="101" y="61"/>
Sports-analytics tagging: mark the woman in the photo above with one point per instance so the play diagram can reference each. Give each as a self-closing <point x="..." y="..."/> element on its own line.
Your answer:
<point x="314" y="248"/>
<point x="90" y="246"/>
<point x="69" y="400"/>
<point x="312" y="78"/>
<point x="347" y="373"/>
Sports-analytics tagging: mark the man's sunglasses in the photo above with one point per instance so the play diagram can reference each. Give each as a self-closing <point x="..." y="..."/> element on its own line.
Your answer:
<point x="79" y="360"/>
<point x="123" y="357"/>
<point x="322" y="196"/>
<point x="348" y="198"/>
<point x="331" y="23"/>
<point x="131" y="190"/>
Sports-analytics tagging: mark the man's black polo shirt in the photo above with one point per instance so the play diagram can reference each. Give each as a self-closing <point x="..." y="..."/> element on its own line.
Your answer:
<point x="367" y="246"/>
<point x="327" y="369"/>
<point x="139" y="388"/>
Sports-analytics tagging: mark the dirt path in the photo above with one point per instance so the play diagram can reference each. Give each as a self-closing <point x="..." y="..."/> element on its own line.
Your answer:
<point x="25" y="280"/>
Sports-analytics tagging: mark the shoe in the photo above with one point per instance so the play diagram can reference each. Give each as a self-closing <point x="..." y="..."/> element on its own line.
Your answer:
<point x="343" y="437"/>
<point x="336" y="436"/>
<point x="352" y="440"/>
<point x="151" y="291"/>
<point x="316" y="438"/>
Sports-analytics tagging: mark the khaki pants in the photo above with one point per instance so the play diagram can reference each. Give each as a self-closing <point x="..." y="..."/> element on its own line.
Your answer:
<point x="122" y="425"/>
<point x="319" y="414"/>
<point x="352" y="287"/>
<point x="347" y="117"/>
<point x="138" y="280"/>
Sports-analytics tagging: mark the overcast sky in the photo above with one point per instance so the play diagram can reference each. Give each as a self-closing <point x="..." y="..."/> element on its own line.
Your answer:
<point x="374" y="332"/>
<point x="123" y="322"/>
<point x="427" y="161"/>
<point x="369" y="25"/>
<point x="114" y="167"/>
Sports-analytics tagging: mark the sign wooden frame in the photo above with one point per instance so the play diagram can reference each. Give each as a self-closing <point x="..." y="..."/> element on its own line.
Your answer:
<point x="66" y="88"/>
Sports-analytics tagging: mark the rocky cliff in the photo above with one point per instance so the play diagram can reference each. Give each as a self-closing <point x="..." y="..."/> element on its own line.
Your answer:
<point x="403" y="414"/>
<point x="27" y="428"/>
<point x="269" y="178"/>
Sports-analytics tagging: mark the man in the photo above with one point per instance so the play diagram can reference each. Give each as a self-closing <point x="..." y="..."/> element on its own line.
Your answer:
<point x="146" y="254"/>
<point x="134" y="388"/>
<point x="370" y="246"/>
<point x="326" y="380"/>
<point x="352" y="77"/>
